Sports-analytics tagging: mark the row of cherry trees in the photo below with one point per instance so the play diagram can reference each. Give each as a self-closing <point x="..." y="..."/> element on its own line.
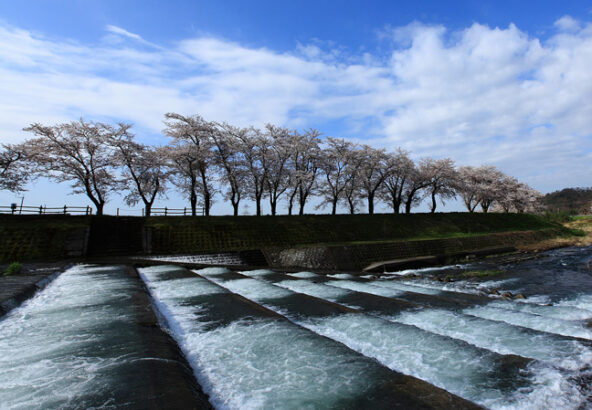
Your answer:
<point x="204" y="159"/>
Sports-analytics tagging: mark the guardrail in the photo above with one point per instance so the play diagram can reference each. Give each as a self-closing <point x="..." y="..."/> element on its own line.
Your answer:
<point x="15" y="209"/>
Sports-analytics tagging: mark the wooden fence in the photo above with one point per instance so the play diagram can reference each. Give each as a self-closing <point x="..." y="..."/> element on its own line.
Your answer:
<point x="15" y="209"/>
<point x="175" y="211"/>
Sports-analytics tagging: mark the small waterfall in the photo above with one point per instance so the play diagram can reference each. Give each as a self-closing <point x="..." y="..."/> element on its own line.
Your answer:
<point x="246" y="358"/>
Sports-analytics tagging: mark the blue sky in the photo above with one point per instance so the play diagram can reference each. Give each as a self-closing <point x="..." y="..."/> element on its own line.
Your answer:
<point x="498" y="82"/>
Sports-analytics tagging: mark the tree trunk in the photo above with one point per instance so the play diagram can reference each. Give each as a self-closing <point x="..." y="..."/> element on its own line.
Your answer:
<point x="100" y="206"/>
<point x="334" y="206"/>
<point x="409" y="201"/>
<point x="352" y="206"/>
<point x="273" y="205"/>
<point x="434" y="203"/>
<point x="258" y="205"/>
<point x="291" y="202"/>
<point x="148" y="207"/>
<point x="370" y="204"/>
<point x="207" y="203"/>
<point x="193" y="200"/>
<point x="396" y="206"/>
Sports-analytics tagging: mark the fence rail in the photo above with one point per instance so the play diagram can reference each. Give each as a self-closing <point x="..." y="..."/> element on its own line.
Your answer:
<point x="15" y="209"/>
<point x="175" y="211"/>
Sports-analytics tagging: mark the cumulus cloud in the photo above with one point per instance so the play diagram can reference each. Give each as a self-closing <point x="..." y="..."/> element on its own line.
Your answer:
<point x="478" y="95"/>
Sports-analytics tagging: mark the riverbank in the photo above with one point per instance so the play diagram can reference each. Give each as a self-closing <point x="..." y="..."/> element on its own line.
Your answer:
<point x="581" y="228"/>
<point x="43" y="238"/>
<point x="15" y="289"/>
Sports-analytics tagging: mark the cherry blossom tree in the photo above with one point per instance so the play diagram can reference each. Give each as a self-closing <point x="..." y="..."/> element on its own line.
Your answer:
<point x="336" y="172"/>
<point x="305" y="159"/>
<point x="373" y="170"/>
<point x="15" y="171"/>
<point x="400" y="169"/>
<point x="231" y="161"/>
<point x="416" y="182"/>
<point x="184" y="162"/>
<point x="145" y="170"/>
<point x="78" y="152"/>
<point x="279" y="170"/>
<point x="255" y="146"/>
<point x="469" y="187"/>
<point x="193" y="137"/>
<point x="517" y="197"/>
<point x="441" y="178"/>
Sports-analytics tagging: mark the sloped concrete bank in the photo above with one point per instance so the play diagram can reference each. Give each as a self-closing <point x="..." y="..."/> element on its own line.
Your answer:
<point x="315" y="241"/>
<point x="15" y="289"/>
<point x="400" y="254"/>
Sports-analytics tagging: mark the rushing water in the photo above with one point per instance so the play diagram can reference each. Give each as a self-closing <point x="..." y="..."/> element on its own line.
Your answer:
<point x="266" y="339"/>
<point x="78" y="344"/>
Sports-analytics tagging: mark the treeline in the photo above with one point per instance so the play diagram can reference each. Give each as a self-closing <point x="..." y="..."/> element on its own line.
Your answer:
<point x="206" y="159"/>
<point x="575" y="201"/>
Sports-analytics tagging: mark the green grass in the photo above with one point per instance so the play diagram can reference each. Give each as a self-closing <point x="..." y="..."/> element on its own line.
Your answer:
<point x="247" y="232"/>
<point x="13" y="269"/>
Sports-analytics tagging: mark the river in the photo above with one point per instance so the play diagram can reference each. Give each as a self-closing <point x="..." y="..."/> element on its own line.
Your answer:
<point x="267" y="339"/>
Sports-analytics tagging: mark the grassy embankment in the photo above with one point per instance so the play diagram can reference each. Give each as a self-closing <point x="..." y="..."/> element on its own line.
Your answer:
<point x="185" y="234"/>
<point x="49" y="238"/>
<point x="578" y="233"/>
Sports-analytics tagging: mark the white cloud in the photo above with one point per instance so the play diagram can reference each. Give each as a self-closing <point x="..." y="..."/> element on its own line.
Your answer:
<point x="567" y="23"/>
<point x="123" y="32"/>
<point x="480" y="95"/>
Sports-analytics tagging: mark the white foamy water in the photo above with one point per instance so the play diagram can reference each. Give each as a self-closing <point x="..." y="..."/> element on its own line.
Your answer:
<point x="501" y="337"/>
<point x="558" y="311"/>
<point x="258" y="363"/>
<point x="422" y="270"/>
<point x="257" y="272"/>
<point x="583" y="302"/>
<point x="53" y="348"/>
<point x="366" y="287"/>
<point x="304" y="275"/>
<point x="395" y="284"/>
<point x="341" y="276"/>
<point x="462" y="286"/>
<point x="223" y="258"/>
<point x="455" y="366"/>
<point x="313" y="289"/>
<point x="529" y="320"/>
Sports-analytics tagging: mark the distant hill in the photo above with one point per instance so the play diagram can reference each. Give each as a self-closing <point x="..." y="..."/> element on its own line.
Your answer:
<point x="573" y="200"/>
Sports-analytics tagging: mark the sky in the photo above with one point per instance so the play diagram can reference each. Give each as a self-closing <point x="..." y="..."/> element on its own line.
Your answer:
<point x="502" y="83"/>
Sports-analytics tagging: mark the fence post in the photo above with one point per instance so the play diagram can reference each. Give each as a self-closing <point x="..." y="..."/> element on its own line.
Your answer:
<point x="64" y="209"/>
<point x="40" y="209"/>
<point x="117" y="211"/>
<point x="184" y="210"/>
<point x="86" y="211"/>
<point x="165" y="211"/>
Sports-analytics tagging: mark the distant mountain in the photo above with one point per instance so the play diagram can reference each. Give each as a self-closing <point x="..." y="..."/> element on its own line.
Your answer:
<point x="572" y="200"/>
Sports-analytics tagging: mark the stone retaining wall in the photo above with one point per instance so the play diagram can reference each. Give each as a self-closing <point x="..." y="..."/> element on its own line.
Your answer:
<point x="357" y="257"/>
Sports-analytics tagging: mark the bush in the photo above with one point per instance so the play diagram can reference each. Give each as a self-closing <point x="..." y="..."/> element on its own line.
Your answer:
<point x="558" y="217"/>
<point x="13" y="269"/>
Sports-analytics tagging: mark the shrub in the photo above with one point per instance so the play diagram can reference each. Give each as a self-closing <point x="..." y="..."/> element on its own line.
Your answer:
<point x="13" y="269"/>
<point x="558" y="217"/>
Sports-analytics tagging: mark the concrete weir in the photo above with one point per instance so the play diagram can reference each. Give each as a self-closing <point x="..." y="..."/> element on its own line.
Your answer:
<point x="236" y="382"/>
<point x="109" y="337"/>
<point x="15" y="289"/>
